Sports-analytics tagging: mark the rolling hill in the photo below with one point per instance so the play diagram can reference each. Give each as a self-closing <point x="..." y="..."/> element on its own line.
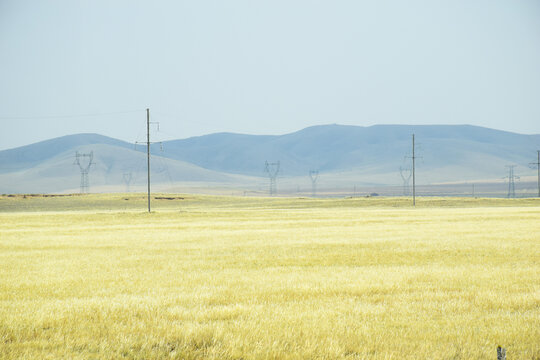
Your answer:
<point x="54" y="170"/>
<point x="366" y="155"/>
<point x="343" y="155"/>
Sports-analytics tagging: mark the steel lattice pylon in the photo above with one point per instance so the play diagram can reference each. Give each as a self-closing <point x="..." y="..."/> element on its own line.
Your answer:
<point x="314" y="175"/>
<point x="511" y="183"/>
<point x="85" y="169"/>
<point x="406" y="174"/>
<point x="272" y="169"/>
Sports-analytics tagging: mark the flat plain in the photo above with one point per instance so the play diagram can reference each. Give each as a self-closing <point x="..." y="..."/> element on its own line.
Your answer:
<point x="97" y="277"/>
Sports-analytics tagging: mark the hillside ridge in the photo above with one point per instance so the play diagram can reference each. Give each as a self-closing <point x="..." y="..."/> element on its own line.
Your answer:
<point x="343" y="154"/>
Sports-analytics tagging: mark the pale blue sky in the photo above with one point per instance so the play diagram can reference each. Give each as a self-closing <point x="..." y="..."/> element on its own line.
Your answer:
<point x="264" y="67"/>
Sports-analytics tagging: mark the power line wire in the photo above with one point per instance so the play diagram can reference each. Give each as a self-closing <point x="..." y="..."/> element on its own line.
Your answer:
<point x="183" y="119"/>
<point x="67" y="116"/>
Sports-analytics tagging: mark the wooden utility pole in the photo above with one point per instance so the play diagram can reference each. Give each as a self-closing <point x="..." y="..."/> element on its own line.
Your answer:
<point x="413" y="174"/>
<point x="148" y="152"/>
<point x="148" y="143"/>
<point x="538" y="167"/>
<point x="537" y="164"/>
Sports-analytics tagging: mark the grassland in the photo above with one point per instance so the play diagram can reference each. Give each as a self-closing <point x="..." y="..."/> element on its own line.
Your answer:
<point x="252" y="278"/>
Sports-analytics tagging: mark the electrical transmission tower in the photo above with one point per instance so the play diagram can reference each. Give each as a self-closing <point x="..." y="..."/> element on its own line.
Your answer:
<point x="85" y="168"/>
<point x="127" y="179"/>
<point x="314" y="175"/>
<point x="537" y="165"/>
<point x="511" y="184"/>
<point x="406" y="174"/>
<point x="272" y="169"/>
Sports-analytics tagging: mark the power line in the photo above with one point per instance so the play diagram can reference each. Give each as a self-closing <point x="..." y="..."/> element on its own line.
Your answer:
<point x="67" y="116"/>
<point x="183" y="119"/>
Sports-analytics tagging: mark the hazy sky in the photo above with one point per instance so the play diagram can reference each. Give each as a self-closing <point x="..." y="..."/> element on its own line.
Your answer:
<point x="264" y="67"/>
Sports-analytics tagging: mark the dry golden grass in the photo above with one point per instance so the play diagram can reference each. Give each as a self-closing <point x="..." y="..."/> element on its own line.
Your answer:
<point x="247" y="278"/>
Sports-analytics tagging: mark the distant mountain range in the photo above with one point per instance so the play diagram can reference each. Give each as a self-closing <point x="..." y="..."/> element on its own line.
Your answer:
<point x="343" y="155"/>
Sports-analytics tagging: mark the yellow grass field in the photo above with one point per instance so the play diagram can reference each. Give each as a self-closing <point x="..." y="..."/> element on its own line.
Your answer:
<point x="96" y="277"/>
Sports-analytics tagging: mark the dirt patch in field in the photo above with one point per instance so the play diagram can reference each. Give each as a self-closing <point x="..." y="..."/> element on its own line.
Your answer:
<point x="24" y="196"/>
